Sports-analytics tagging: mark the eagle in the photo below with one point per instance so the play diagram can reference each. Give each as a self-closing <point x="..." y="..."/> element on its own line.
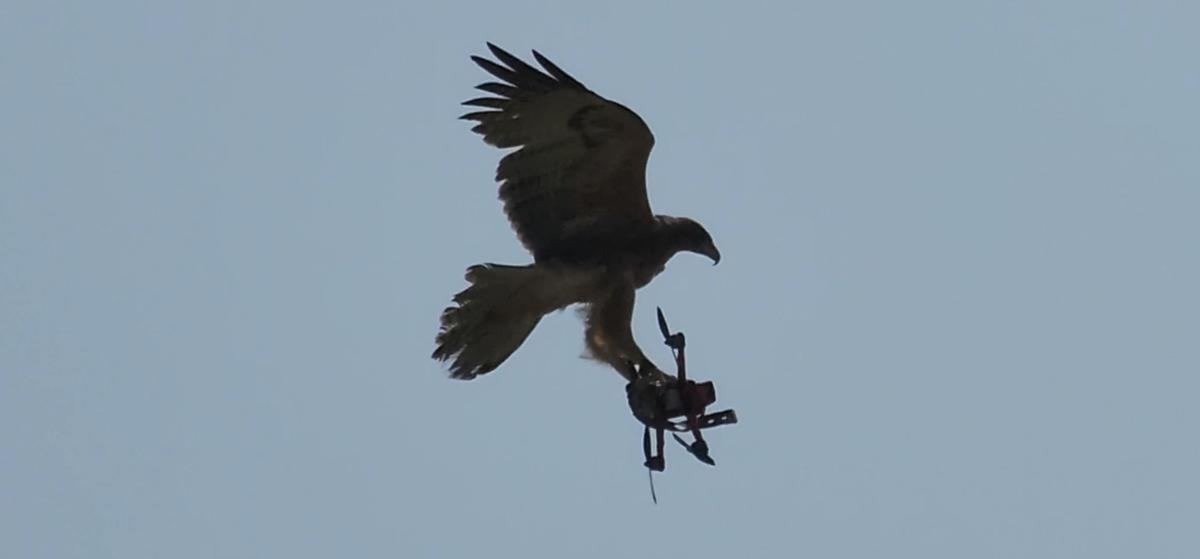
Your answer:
<point x="574" y="190"/>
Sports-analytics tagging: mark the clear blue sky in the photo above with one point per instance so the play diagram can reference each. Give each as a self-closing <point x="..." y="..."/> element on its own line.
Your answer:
<point x="957" y="310"/>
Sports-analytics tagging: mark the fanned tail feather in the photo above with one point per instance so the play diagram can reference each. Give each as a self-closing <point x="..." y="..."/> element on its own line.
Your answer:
<point x="493" y="317"/>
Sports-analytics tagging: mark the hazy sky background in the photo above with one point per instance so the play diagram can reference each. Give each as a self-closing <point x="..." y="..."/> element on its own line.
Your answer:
<point x="957" y="310"/>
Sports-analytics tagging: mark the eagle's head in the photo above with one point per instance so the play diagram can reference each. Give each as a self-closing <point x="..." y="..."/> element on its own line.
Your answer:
<point x="687" y="234"/>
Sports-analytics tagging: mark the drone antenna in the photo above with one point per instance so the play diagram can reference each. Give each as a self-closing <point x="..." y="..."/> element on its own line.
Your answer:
<point x="650" y="476"/>
<point x="649" y="468"/>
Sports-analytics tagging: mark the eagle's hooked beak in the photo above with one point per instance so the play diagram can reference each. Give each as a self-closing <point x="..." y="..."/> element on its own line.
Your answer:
<point x="712" y="252"/>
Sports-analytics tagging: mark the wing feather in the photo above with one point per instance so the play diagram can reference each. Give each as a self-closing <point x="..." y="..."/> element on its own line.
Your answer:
<point x="525" y="71"/>
<point x="482" y="116"/>
<point x="488" y="102"/>
<point x="500" y="89"/>
<point x="578" y="180"/>
<point x="557" y="72"/>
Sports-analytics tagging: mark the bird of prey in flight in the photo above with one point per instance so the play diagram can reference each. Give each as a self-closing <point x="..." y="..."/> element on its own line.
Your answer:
<point x="574" y="190"/>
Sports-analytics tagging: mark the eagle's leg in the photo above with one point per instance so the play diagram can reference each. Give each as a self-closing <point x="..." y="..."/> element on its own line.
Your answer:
<point x="609" y="334"/>
<point x="647" y="368"/>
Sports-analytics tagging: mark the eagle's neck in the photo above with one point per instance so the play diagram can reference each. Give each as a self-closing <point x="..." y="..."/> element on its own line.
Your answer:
<point x="667" y="238"/>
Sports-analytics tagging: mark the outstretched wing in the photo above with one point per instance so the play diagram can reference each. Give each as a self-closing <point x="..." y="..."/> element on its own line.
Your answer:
<point x="577" y="183"/>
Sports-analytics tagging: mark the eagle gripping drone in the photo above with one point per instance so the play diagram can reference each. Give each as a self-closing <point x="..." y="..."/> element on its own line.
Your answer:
<point x="665" y="403"/>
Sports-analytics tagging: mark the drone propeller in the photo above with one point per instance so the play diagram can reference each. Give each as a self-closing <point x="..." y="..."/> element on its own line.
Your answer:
<point x="699" y="449"/>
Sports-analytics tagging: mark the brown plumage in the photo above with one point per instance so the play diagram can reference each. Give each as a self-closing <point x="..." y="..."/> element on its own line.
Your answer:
<point x="575" y="193"/>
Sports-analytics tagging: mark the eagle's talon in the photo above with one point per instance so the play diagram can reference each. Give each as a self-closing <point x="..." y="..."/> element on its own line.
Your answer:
<point x="631" y="370"/>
